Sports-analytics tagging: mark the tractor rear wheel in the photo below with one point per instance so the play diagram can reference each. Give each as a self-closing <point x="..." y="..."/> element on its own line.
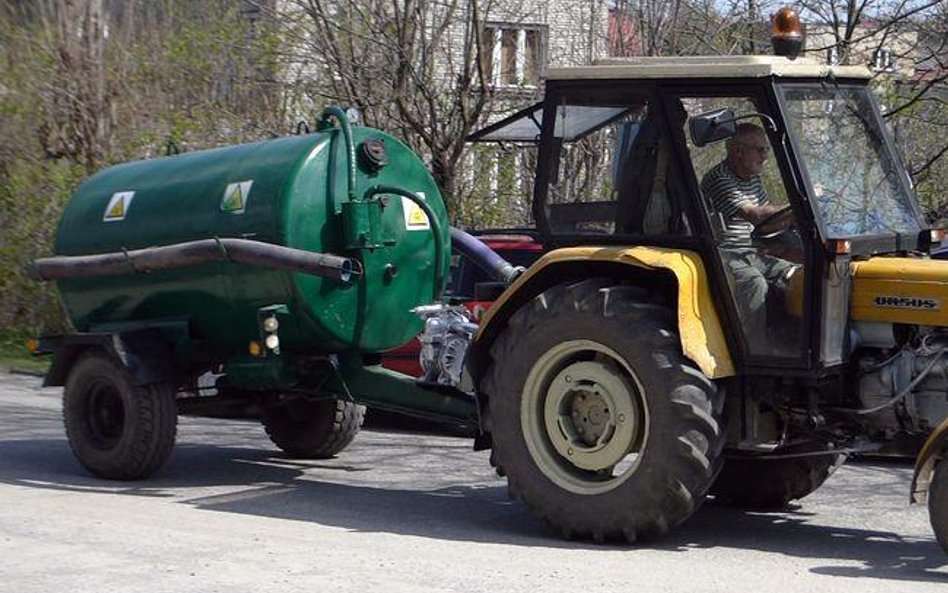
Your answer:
<point x="770" y="484"/>
<point x="313" y="430"/>
<point x="117" y="429"/>
<point x="938" y="502"/>
<point x="599" y="421"/>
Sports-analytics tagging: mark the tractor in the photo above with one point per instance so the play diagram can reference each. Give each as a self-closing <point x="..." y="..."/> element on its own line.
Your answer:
<point x="648" y="359"/>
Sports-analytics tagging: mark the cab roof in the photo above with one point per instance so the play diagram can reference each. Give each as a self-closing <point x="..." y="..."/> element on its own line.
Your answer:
<point x="706" y="67"/>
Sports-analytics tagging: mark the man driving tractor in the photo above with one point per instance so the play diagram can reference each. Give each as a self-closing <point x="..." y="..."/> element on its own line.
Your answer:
<point x="736" y="192"/>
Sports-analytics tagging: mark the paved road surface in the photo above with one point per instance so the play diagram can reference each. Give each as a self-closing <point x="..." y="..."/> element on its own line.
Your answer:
<point x="399" y="512"/>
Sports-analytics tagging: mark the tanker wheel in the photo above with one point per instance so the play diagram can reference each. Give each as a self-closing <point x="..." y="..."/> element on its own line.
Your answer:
<point x="770" y="484"/>
<point x="117" y="430"/>
<point x="599" y="421"/>
<point x="313" y="430"/>
<point x="938" y="502"/>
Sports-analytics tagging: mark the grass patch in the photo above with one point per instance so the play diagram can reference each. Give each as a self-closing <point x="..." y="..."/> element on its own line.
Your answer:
<point x="15" y="356"/>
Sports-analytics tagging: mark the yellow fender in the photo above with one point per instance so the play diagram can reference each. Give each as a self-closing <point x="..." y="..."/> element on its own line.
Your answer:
<point x="925" y="463"/>
<point x="699" y="328"/>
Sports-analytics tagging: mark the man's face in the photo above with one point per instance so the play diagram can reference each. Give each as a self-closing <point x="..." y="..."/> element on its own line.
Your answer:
<point x="750" y="154"/>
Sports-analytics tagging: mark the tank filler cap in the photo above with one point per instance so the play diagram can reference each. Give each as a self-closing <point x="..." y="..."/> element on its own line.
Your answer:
<point x="373" y="154"/>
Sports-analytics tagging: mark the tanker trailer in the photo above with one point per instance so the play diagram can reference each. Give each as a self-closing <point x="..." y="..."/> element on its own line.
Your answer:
<point x="271" y="273"/>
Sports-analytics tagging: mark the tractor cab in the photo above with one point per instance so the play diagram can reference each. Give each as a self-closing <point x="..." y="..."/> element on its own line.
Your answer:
<point x="643" y="152"/>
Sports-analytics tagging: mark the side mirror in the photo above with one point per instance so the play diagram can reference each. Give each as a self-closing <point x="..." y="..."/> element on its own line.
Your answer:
<point x="712" y="126"/>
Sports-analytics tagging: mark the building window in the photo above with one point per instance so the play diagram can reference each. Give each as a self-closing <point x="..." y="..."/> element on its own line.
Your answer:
<point x="882" y="60"/>
<point x="513" y="54"/>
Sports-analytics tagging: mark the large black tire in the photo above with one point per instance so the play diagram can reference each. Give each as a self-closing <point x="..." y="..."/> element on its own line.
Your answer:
<point x="938" y="502"/>
<point x="771" y="484"/>
<point x="313" y="430"/>
<point x="117" y="430"/>
<point x="599" y="422"/>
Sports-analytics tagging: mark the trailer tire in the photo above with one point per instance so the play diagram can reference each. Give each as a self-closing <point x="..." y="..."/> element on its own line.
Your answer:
<point x="599" y="422"/>
<point x="313" y="430"/>
<point x="116" y="429"/>
<point x="938" y="501"/>
<point x="771" y="484"/>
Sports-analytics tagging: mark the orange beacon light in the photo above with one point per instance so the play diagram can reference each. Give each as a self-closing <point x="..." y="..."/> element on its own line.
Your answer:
<point x="787" y="33"/>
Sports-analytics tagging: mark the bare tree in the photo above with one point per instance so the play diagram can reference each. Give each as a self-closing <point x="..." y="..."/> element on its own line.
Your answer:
<point x="646" y="27"/>
<point x="688" y="27"/>
<point x="414" y="67"/>
<point x="78" y="98"/>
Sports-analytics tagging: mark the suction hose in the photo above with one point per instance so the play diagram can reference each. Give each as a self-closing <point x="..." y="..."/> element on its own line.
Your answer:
<point x="485" y="257"/>
<point x="179" y="255"/>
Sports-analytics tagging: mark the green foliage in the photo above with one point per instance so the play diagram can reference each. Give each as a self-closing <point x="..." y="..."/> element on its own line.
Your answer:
<point x="32" y="196"/>
<point x="14" y="354"/>
<point x="197" y="73"/>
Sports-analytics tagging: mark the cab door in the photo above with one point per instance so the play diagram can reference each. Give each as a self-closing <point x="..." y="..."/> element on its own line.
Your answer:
<point x="760" y="268"/>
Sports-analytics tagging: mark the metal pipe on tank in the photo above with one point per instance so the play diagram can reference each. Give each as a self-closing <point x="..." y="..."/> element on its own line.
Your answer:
<point x="340" y="116"/>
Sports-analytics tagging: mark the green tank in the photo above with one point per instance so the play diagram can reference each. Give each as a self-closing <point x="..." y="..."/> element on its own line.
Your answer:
<point x="353" y="192"/>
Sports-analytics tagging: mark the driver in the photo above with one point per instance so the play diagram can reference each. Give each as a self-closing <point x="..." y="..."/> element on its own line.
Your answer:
<point x="737" y="195"/>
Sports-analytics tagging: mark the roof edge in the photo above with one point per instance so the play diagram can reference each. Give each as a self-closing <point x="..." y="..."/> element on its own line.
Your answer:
<point x="706" y="67"/>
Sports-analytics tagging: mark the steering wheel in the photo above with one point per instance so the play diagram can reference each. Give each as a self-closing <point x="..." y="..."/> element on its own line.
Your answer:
<point x="774" y="225"/>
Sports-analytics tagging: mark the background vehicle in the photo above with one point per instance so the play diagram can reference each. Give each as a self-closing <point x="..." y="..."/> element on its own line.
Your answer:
<point x="619" y="380"/>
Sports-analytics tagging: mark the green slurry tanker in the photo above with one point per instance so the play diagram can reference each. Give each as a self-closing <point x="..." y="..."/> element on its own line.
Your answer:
<point x="202" y="281"/>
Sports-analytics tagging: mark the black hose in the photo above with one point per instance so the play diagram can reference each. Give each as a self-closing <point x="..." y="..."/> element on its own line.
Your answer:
<point x="179" y="255"/>
<point x="485" y="257"/>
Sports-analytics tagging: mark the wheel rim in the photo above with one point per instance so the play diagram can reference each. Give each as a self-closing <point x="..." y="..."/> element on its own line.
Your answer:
<point x="104" y="416"/>
<point x="584" y="417"/>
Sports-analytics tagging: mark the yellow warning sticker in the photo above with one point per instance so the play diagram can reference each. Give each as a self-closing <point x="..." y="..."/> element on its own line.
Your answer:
<point x="118" y="206"/>
<point x="415" y="217"/>
<point x="235" y="197"/>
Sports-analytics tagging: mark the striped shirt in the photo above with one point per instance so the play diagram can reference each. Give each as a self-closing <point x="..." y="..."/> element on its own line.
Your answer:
<point x="728" y="193"/>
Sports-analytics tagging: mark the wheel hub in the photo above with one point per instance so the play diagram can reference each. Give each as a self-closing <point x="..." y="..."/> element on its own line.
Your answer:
<point x="105" y="417"/>
<point x="590" y="416"/>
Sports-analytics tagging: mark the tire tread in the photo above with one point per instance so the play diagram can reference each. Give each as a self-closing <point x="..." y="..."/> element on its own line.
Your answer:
<point x="326" y="429"/>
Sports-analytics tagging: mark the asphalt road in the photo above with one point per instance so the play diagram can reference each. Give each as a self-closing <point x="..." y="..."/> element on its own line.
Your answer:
<point x="401" y="512"/>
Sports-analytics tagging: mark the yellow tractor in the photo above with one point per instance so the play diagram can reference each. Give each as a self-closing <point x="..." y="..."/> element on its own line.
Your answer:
<point x="738" y="294"/>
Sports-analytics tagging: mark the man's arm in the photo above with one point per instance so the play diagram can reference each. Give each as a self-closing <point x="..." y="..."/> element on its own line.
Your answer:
<point x="756" y="214"/>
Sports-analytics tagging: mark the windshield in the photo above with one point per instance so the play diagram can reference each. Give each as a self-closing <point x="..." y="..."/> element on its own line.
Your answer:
<point x="855" y="176"/>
